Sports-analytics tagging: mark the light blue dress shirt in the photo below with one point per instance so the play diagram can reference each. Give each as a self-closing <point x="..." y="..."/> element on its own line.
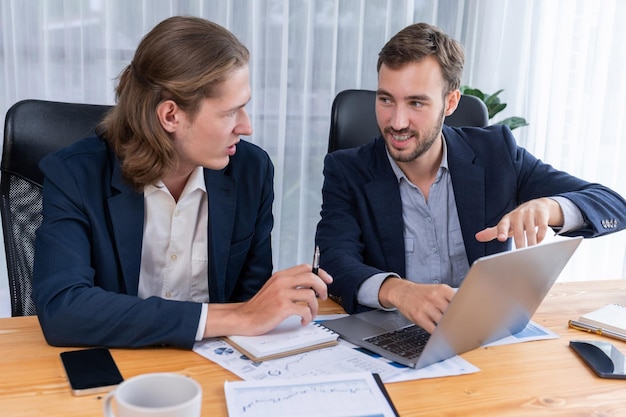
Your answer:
<point x="434" y="248"/>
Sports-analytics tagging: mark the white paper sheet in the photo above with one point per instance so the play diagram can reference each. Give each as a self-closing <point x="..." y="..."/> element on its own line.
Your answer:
<point x="346" y="358"/>
<point x="354" y="394"/>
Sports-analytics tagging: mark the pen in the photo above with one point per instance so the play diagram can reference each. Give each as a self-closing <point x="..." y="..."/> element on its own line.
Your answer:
<point x="316" y="260"/>
<point x="595" y="330"/>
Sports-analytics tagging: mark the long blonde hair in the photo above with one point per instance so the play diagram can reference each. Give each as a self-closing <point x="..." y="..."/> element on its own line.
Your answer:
<point x="182" y="59"/>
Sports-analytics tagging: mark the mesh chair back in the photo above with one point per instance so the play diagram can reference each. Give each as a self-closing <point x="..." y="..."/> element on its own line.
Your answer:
<point x="32" y="130"/>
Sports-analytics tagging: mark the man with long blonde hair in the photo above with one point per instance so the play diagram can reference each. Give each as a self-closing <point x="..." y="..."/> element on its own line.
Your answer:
<point x="158" y="230"/>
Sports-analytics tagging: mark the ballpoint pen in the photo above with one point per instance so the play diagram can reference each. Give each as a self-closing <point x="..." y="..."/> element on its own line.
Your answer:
<point x="595" y="330"/>
<point x="316" y="260"/>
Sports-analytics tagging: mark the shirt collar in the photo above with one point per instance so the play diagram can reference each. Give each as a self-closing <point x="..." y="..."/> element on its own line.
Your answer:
<point x="400" y="174"/>
<point x="195" y="182"/>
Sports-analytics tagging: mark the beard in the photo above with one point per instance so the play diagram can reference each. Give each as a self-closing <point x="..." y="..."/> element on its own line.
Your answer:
<point x="424" y="141"/>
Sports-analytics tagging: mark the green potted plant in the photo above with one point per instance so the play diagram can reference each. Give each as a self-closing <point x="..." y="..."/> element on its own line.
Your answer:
<point x="494" y="106"/>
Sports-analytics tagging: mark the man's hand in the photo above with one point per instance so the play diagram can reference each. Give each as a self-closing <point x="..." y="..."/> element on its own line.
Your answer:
<point x="293" y="291"/>
<point x="527" y="224"/>
<point x="423" y="304"/>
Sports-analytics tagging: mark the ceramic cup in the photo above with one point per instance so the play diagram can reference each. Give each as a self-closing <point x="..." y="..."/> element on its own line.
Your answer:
<point x="155" y="395"/>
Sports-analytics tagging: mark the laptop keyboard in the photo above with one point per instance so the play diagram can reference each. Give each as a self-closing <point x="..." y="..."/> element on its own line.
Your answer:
<point x="407" y="342"/>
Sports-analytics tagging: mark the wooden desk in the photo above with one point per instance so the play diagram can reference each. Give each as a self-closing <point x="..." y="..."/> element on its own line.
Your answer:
<point x="536" y="378"/>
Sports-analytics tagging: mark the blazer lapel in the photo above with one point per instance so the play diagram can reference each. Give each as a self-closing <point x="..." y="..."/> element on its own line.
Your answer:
<point x="468" y="181"/>
<point x="383" y="195"/>
<point x="221" y="191"/>
<point x="126" y="209"/>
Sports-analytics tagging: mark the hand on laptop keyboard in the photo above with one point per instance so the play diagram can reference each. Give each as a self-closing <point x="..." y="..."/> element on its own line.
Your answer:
<point x="423" y="304"/>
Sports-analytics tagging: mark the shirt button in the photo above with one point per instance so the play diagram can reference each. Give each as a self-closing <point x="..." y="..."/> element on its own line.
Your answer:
<point x="168" y="295"/>
<point x="434" y="250"/>
<point x="173" y="257"/>
<point x="176" y="213"/>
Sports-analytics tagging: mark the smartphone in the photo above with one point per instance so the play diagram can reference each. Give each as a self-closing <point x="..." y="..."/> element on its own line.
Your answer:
<point x="91" y="371"/>
<point x="604" y="359"/>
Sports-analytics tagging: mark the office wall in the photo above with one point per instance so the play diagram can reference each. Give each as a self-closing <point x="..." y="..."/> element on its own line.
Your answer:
<point x="304" y="52"/>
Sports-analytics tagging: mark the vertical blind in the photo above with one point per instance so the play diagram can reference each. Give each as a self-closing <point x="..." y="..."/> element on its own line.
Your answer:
<point x="559" y="63"/>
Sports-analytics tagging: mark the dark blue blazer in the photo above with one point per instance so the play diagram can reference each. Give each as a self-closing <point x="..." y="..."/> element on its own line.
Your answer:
<point x="88" y="248"/>
<point x="361" y="230"/>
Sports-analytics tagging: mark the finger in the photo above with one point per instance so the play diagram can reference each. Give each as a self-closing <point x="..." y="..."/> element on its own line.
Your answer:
<point x="531" y="233"/>
<point x="542" y="231"/>
<point x="517" y="231"/>
<point x="542" y="225"/>
<point x="487" y="235"/>
<point x="319" y="282"/>
<point x="305" y="313"/>
<point x="427" y="324"/>
<point x="442" y="303"/>
<point x="320" y="288"/>
<point x="308" y="301"/>
<point x="520" y="239"/>
<point x="314" y="282"/>
<point x="294" y="270"/>
<point x="504" y="229"/>
<point x="325" y="276"/>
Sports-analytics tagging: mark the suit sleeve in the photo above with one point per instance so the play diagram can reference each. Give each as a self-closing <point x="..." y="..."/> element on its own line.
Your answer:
<point x="603" y="209"/>
<point x="340" y="237"/>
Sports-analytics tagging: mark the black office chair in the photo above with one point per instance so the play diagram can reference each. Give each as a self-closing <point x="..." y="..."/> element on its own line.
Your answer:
<point x="32" y="130"/>
<point x="353" y="118"/>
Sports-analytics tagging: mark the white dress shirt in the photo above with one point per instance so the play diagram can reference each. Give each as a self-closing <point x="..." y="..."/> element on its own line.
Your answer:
<point x="174" y="253"/>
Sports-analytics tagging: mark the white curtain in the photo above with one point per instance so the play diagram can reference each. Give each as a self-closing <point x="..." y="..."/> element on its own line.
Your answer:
<point x="559" y="62"/>
<point x="562" y="65"/>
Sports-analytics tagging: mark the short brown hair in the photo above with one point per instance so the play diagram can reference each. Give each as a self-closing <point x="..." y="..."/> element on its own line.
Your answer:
<point x="416" y="42"/>
<point x="183" y="59"/>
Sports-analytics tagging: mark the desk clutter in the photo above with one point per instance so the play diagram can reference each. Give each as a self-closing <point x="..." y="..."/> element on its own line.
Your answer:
<point x="557" y="384"/>
<point x="288" y="338"/>
<point x="609" y="320"/>
<point x="610" y="317"/>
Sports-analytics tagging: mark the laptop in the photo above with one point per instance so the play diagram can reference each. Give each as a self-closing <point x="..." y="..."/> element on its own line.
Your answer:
<point x="497" y="298"/>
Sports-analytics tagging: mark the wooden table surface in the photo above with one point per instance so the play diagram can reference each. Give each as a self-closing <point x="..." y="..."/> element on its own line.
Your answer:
<point x="535" y="378"/>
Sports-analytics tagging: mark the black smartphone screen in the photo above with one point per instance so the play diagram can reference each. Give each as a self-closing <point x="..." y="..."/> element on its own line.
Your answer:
<point x="602" y="357"/>
<point x="91" y="371"/>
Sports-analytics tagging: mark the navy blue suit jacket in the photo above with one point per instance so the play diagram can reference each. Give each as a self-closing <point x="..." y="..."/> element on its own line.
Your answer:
<point x="88" y="248"/>
<point x="361" y="230"/>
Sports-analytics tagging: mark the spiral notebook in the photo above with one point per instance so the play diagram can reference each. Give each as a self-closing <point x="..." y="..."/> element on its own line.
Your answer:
<point x="610" y="317"/>
<point x="288" y="338"/>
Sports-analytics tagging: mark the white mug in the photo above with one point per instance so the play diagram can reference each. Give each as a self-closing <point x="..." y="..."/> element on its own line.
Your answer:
<point x="155" y="395"/>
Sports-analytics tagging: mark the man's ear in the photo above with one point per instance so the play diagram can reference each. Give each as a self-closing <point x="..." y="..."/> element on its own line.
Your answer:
<point x="168" y="113"/>
<point x="452" y="101"/>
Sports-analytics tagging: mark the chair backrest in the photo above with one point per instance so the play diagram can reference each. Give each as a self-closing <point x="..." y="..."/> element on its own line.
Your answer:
<point x="353" y="118"/>
<point x="32" y="130"/>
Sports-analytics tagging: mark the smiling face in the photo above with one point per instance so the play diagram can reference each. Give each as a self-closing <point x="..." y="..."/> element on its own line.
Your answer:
<point x="411" y="106"/>
<point x="209" y="138"/>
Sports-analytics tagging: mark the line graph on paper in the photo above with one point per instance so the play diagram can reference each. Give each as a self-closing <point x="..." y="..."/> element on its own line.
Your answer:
<point x="349" y="397"/>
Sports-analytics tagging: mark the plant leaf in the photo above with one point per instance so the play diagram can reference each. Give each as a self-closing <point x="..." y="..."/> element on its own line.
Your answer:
<point x="513" y="122"/>
<point x="493" y="99"/>
<point x="495" y="108"/>
<point x="474" y="92"/>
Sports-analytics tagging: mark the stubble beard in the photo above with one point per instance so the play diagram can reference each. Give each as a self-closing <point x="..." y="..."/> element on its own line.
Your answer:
<point x="424" y="142"/>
